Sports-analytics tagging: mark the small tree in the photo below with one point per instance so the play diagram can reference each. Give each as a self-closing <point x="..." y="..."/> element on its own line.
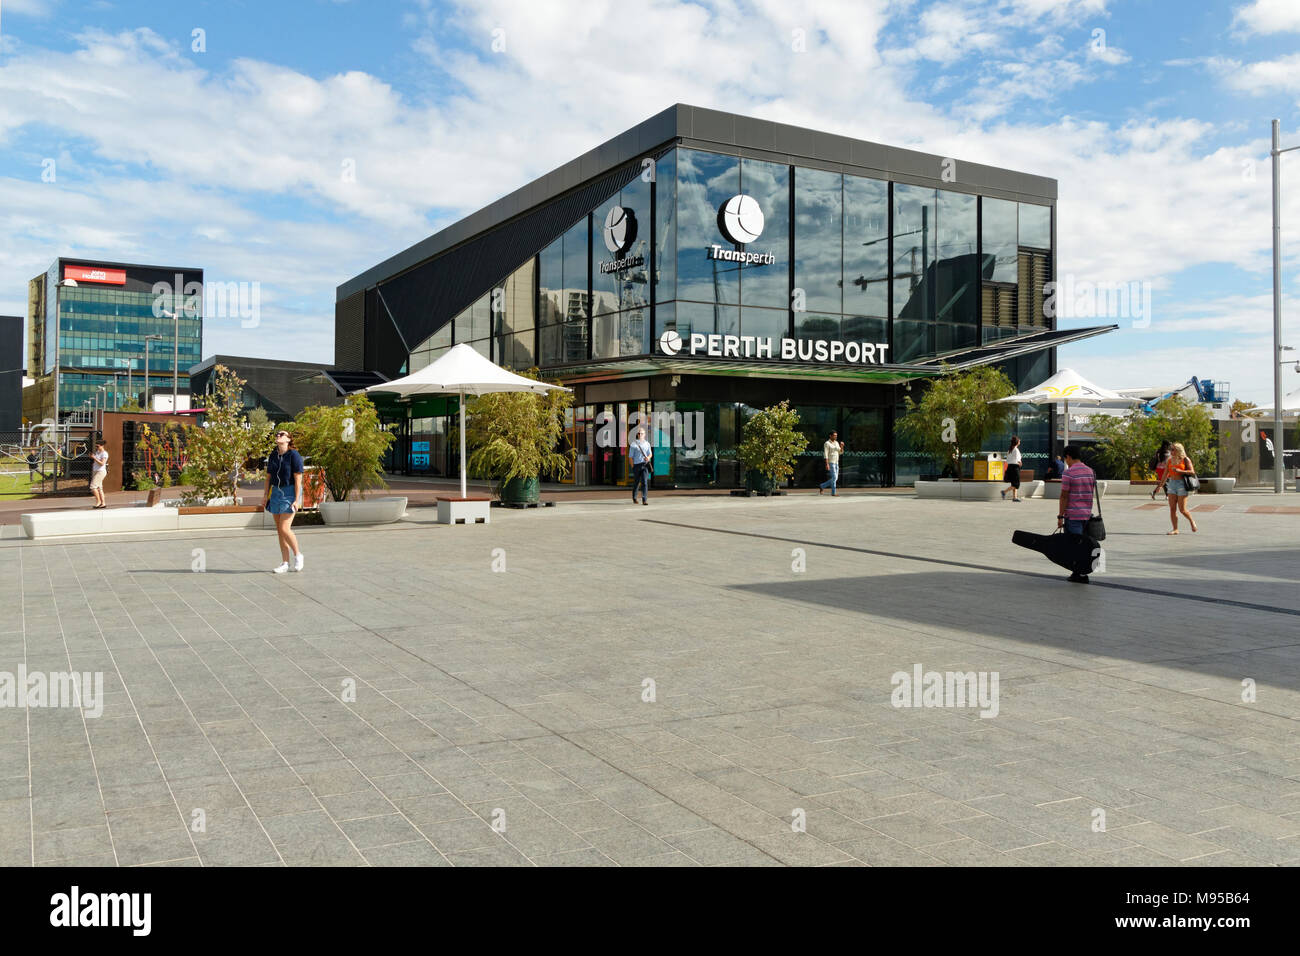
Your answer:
<point x="771" y="442"/>
<point x="957" y="413"/>
<point x="1125" y="442"/>
<point x="1131" y="441"/>
<point x="347" y="442"/>
<point x="130" y="405"/>
<point x="1244" y="409"/>
<point x="512" y="435"/>
<point x="220" y="447"/>
<point x="259" y="420"/>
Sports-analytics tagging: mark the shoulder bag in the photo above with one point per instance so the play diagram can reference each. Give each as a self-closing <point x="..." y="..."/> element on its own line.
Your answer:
<point x="1192" y="483"/>
<point x="1094" y="527"/>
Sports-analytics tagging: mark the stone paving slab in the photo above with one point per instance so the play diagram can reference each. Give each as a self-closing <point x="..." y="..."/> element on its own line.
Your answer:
<point x="702" y="682"/>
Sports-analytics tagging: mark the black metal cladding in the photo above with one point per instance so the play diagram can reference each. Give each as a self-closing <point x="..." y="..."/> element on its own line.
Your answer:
<point x="422" y="300"/>
<point x="349" y="331"/>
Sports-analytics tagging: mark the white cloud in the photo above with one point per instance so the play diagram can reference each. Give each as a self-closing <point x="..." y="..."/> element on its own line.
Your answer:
<point x="1268" y="16"/>
<point x="1139" y="200"/>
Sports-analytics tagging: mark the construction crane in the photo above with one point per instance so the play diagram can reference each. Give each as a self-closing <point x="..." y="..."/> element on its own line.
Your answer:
<point x="1206" y="391"/>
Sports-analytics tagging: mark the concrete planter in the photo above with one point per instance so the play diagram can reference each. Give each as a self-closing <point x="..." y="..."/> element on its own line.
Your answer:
<point x="960" y="490"/>
<point x="1221" y="486"/>
<point x="366" y="511"/>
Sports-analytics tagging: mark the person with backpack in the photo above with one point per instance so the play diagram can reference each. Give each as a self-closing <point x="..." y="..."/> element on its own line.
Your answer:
<point x="1178" y="480"/>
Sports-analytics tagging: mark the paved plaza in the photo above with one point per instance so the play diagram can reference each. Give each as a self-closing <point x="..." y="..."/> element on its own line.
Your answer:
<point x="701" y="681"/>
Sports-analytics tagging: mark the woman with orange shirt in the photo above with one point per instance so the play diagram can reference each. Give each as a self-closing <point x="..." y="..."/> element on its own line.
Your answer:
<point x="1177" y="468"/>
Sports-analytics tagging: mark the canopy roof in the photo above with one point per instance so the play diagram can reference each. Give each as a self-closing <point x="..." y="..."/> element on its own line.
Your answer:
<point x="1069" y="386"/>
<point x="462" y="371"/>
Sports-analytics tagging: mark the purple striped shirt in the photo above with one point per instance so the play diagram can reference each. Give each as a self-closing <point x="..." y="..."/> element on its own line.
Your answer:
<point x="1078" y="482"/>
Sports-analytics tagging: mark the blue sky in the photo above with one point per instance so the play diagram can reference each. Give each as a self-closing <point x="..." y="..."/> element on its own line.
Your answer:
<point x="232" y="158"/>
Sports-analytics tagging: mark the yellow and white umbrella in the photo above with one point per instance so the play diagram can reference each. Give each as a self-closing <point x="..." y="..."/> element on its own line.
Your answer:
<point x="1068" y="386"/>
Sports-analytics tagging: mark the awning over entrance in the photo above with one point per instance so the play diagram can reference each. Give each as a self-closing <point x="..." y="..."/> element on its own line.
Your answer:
<point x="884" y="374"/>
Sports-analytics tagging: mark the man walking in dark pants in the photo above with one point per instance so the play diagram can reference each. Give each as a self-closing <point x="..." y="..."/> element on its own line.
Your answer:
<point x="642" y="455"/>
<point x="1077" y="488"/>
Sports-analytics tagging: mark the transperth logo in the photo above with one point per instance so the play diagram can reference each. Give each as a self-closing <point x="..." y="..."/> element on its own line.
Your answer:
<point x="620" y="230"/>
<point x="740" y="219"/>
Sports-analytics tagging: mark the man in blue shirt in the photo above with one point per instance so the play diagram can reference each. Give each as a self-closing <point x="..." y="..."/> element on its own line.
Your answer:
<point x="642" y="455"/>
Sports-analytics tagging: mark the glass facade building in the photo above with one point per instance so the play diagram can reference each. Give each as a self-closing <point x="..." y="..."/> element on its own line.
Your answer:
<point x="716" y="273"/>
<point x="88" y="322"/>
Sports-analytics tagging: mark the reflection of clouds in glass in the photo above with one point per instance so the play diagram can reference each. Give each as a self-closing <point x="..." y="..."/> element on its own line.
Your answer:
<point x="704" y="182"/>
<point x="866" y="245"/>
<point x="998" y="240"/>
<point x="769" y="185"/>
<point x="817" y="237"/>
<point x="956" y="221"/>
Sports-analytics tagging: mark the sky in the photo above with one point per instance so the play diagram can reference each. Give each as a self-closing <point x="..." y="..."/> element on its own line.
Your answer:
<point x="296" y="143"/>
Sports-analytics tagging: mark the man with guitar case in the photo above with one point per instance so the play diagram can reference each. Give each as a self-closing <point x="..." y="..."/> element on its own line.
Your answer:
<point x="1078" y="547"/>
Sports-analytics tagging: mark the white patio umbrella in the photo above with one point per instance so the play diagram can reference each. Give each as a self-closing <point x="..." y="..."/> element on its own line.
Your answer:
<point x="462" y="371"/>
<point x="1068" y="386"/>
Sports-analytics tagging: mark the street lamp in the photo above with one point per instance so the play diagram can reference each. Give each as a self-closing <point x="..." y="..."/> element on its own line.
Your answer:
<point x="146" y="368"/>
<point x="1279" y="456"/>
<point x="176" y="338"/>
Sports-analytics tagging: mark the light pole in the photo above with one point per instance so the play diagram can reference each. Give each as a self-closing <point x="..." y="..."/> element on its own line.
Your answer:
<point x="146" y="368"/>
<point x="176" y="338"/>
<point x="1279" y="436"/>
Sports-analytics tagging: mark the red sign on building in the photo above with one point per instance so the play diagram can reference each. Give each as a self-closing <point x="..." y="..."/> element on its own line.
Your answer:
<point x="90" y="274"/>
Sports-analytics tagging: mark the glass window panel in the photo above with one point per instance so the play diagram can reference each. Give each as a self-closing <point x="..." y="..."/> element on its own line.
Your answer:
<point x="809" y="325"/>
<point x="769" y="184"/>
<point x="998" y="240"/>
<point x="765" y="323"/>
<point x="914" y="252"/>
<point x="666" y="226"/>
<point x="550" y="283"/>
<point x="866" y="246"/>
<point x="818" y="239"/>
<point x="957" y="268"/>
<point x="950" y="337"/>
<point x="705" y="181"/>
<point x="912" y="340"/>
<point x="862" y="328"/>
<point x="576" y="261"/>
<point x="706" y="319"/>
<point x="573" y="346"/>
<point x="514" y="305"/>
<point x="1035" y="226"/>
<point x="550" y="340"/>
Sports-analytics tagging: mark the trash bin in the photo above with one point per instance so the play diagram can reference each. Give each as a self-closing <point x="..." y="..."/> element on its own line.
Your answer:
<point x="582" y="470"/>
<point x="989" y="466"/>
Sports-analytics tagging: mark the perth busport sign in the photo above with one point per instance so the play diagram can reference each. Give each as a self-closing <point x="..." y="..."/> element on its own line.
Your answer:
<point x="741" y="221"/>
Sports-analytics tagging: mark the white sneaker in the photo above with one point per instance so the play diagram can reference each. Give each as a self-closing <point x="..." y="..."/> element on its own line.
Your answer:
<point x="297" y="561"/>
<point x="284" y="566"/>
